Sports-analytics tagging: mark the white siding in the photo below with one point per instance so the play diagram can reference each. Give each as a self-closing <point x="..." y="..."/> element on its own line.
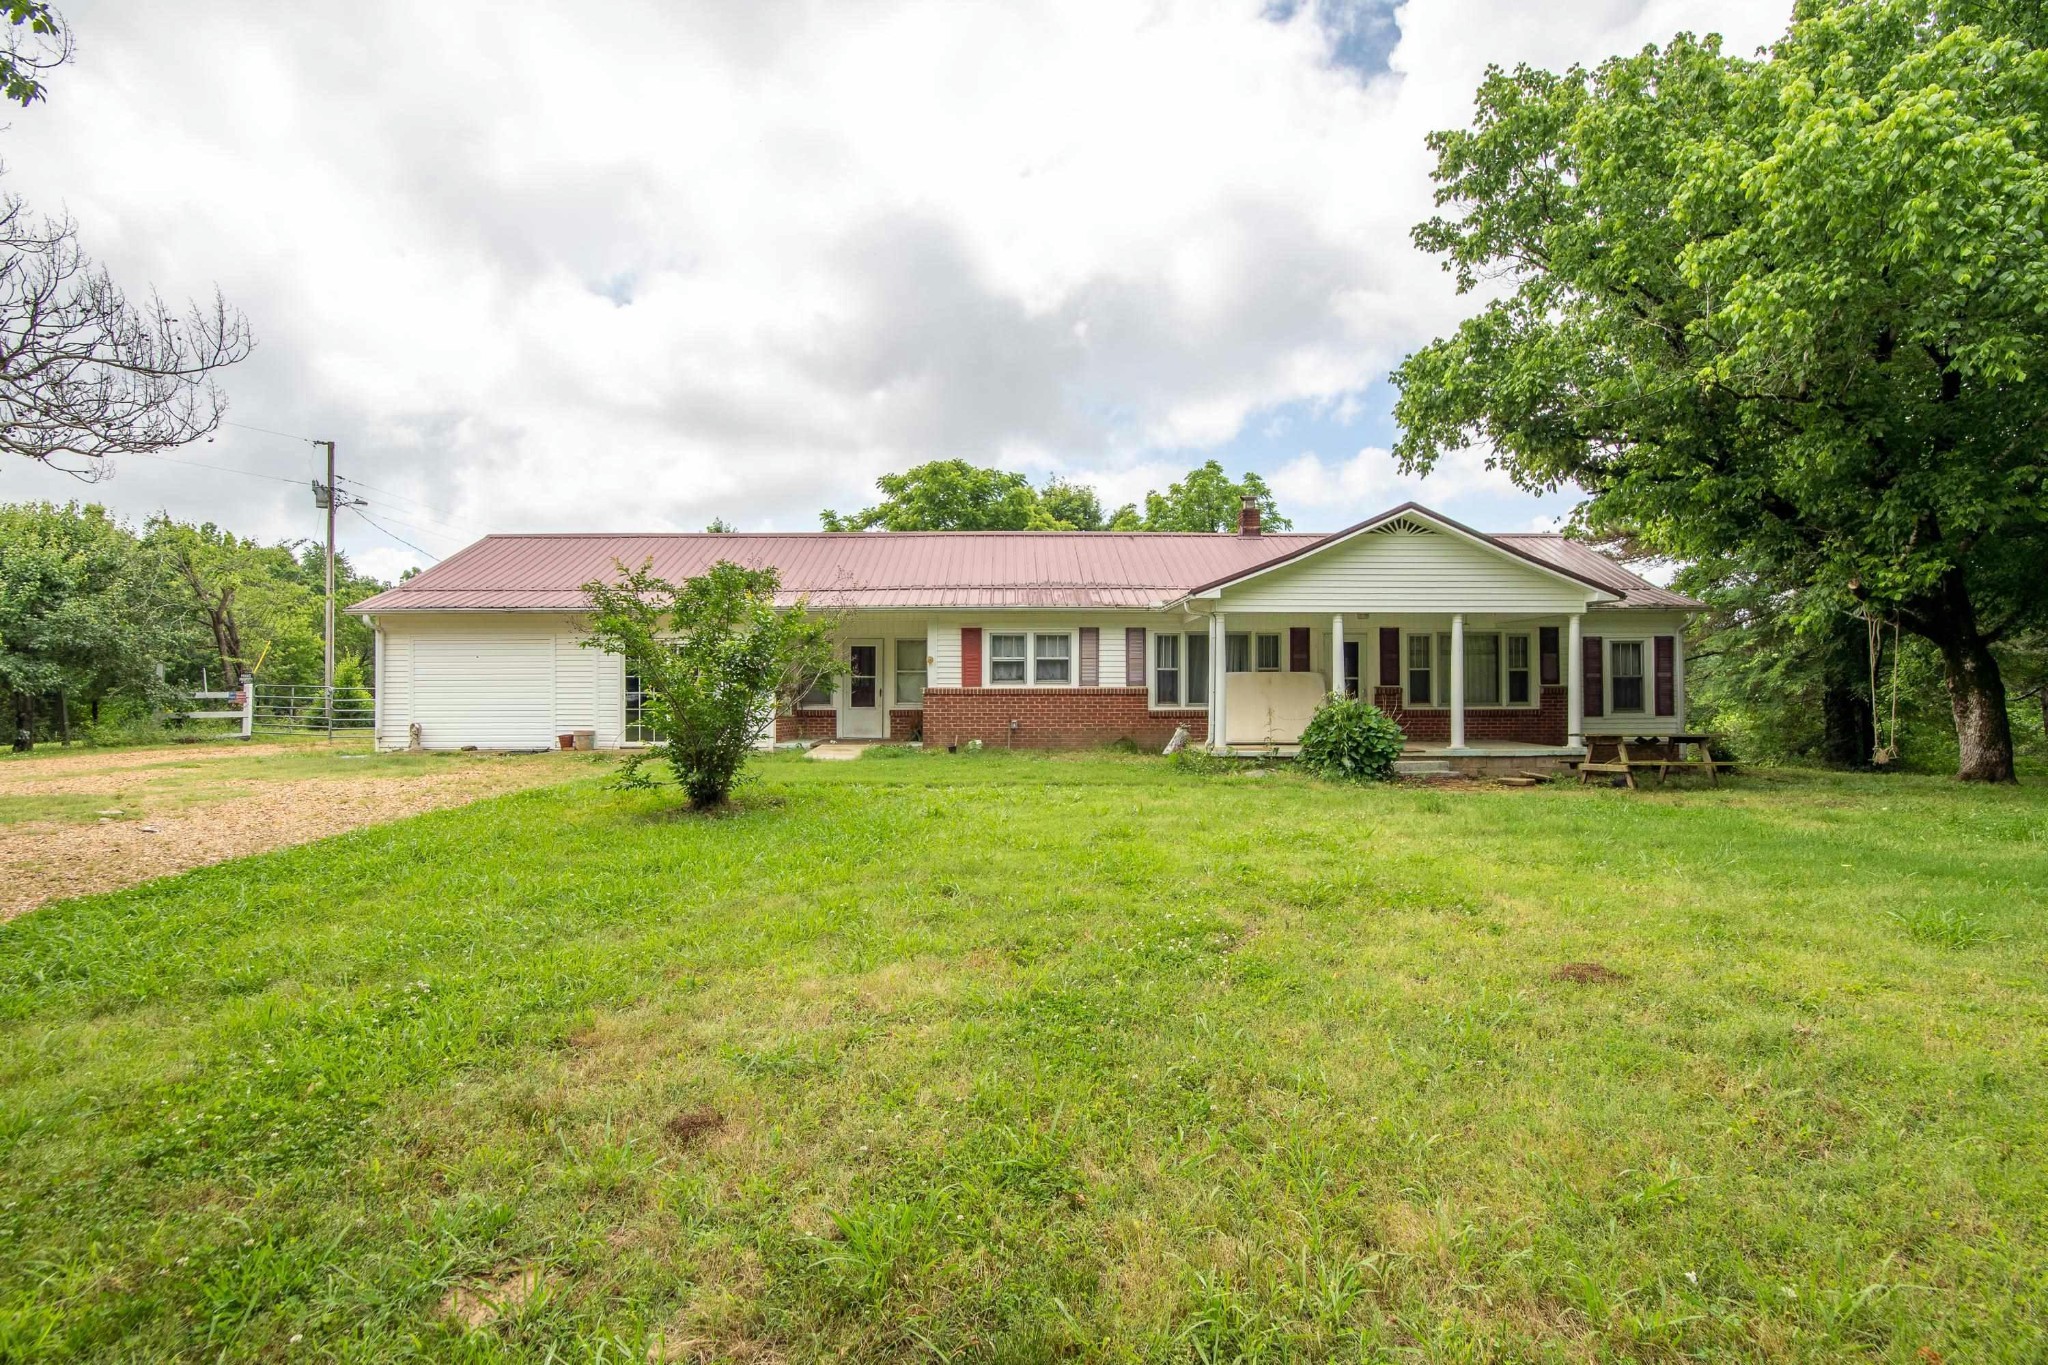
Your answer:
<point x="1402" y="571"/>
<point x="492" y="691"/>
<point x="575" y="685"/>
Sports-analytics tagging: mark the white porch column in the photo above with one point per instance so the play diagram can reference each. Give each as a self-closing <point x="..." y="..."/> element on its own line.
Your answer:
<point x="1678" y="681"/>
<point x="1458" y="682"/>
<point x="1574" y="683"/>
<point x="1219" y="670"/>
<point x="1337" y="654"/>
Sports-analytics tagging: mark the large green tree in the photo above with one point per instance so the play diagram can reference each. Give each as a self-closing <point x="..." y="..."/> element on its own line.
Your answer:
<point x="952" y="495"/>
<point x="1790" y="312"/>
<point x="947" y="495"/>
<point x="1209" y="500"/>
<point x="79" y="614"/>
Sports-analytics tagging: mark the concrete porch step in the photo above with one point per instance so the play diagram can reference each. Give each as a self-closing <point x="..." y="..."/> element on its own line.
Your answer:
<point x="1420" y="767"/>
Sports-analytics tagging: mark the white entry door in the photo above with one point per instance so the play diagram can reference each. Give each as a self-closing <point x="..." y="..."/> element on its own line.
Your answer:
<point x="861" y="713"/>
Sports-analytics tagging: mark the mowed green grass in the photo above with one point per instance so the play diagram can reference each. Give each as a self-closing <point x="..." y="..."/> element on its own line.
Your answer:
<point x="1020" y="1058"/>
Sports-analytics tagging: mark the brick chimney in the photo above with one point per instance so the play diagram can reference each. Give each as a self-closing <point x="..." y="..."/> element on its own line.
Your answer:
<point x="1248" y="516"/>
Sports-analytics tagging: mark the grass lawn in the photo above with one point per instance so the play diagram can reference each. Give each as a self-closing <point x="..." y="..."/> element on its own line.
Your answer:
<point x="1024" y="1058"/>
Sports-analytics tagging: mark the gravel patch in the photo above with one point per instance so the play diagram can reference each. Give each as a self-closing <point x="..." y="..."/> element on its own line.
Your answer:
<point x="43" y="861"/>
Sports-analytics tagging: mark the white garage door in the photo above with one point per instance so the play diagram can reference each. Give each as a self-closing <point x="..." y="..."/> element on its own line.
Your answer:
<point x="492" y="692"/>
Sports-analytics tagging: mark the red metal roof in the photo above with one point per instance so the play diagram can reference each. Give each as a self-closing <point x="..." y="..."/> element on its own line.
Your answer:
<point x="908" y="569"/>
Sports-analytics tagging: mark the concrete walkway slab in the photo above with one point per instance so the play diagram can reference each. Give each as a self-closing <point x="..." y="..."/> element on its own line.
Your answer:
<point x="837" y="753"/>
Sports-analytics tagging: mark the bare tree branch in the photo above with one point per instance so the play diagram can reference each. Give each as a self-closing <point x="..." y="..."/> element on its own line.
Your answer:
<point x="84" y="373"/>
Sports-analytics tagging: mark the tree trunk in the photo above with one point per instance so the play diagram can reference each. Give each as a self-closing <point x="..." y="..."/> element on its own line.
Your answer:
<point x="1977" y="694"/>
<point x="1976" y="689"/>
<point x="1845" y="714"/>
<point x="24" y="722"/>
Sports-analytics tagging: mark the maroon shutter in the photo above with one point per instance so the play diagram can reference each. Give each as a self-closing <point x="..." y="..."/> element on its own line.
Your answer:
<point x="1091" y="656"/>
<point x="1546" y="652"/>
<point x="970" y="656"/>
<point x="1297" y="649"/>
<point x="1134" y="656"/>
<point x="1390" y="656"/>
<point x="1589" y="649"/>
<point x="1667" y="669"/>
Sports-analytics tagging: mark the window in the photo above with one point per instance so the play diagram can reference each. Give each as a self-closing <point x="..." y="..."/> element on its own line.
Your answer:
<point x="910" y="672"/>
<point x="1053" y="659"/>
<point x="1351" y="656"/>
<point x="1482" y="670"/>
<point x="1237" y="653"/>
<point x="1625" y="667"/>
<point x="1518" y="670"/>
<point x="1443" y="670"/>
<point x="818" y="698"/>
<point x="1006" y="658"/>
<point x="1269" y="653"/>
<point x="638" y="731"/>
<point x="1166" y="669"/>
<point x="1420" y="674"/>
<point x="1198" y="669"/>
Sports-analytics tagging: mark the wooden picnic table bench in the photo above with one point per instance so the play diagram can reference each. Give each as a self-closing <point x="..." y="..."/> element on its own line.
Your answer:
<point x="1671" y="751"/>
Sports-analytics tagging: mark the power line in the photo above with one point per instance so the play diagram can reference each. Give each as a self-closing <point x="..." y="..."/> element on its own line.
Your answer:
<point x="395" y="536"/>
<point x="289" y="436"/>
<point x="219" y="468"/>
<point x="401" y="521"/>
<point x="423" y="510"/>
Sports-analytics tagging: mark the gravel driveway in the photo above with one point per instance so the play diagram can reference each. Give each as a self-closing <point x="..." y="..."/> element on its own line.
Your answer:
<point x="80" y="822"/>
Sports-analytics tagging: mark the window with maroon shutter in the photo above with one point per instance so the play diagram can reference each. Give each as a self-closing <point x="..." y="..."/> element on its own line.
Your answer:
<point x="1591" y="653"/>
<point x="970" y="656"/>
<point x="1134" y="656"/>
<point x="1091" y="656"/>
<point x="1665" y="664"/>
<point x="1546" y="651"/>
<point x="1297" y="649"/>
<point x="1390" y="656"/>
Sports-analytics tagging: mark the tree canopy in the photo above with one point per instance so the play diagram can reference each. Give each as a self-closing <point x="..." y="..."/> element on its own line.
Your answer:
<point x="91" y="611"/>
<point x="1789" y="313"/>
<point x="952" y="495"/>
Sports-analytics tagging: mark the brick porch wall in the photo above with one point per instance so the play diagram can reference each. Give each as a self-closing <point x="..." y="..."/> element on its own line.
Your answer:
<point x="806" y="725"/>
<point x="1052" y="718"/>
<point x="1546" y="723"/>
<point x="905" y="726"/>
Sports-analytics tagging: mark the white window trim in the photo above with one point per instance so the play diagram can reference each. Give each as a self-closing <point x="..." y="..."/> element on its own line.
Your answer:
<point x="1438" y="644"/>
<point x="1030" y="679"/>
<point x="1071" y="659"/>
<point x="988" y="662"/>
<point x="895" y="703"/>
<point x="1152" y="702"/>
<point x="1607" y="676"/>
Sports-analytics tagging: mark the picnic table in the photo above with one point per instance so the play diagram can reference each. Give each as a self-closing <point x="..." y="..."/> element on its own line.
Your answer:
<point x="1671" y="753"/>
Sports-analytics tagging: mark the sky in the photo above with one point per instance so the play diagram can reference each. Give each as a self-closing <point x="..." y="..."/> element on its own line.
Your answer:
<point x="637" y="266"/>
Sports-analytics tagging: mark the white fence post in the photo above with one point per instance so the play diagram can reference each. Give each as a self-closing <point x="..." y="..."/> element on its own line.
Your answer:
<point x="248" y="705"/>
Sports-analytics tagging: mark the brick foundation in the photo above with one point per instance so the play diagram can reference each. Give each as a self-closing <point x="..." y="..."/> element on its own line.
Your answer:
<point x="1545" y="723"/>
<point x="905" y="726"/>
<point x="1052" y="718"/>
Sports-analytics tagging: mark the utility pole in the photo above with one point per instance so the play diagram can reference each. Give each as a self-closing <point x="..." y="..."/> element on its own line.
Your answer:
<point x="328" y="496"/>
<point x="327" y="674"/>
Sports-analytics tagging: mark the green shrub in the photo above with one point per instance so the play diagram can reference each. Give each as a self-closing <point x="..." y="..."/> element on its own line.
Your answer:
<point x="1351" y="740"/>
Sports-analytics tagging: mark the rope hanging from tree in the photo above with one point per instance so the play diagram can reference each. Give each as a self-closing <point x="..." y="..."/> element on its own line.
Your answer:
<point x="1882" y="755"/>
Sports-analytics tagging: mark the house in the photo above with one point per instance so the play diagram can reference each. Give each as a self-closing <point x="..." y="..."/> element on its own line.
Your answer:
<point x="1508" y="645"/>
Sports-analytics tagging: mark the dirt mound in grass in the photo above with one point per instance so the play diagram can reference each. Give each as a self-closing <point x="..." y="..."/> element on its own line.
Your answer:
<point x="1587" y="973"/>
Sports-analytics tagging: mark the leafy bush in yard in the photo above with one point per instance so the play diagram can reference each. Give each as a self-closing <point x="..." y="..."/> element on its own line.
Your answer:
<point x="717" y="659"/>
<point x="1351" y="740"/>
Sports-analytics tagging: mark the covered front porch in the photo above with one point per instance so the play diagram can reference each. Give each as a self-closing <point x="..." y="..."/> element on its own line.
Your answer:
<point x="1460" y="685"/>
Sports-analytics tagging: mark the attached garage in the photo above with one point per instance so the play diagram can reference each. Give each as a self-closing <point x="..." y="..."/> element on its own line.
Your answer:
<point x="493" y="692"/>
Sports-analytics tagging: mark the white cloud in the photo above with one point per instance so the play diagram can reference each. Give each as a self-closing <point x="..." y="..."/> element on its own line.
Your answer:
<point x="681" y="261"/>
<point x="1370" y="479"/>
